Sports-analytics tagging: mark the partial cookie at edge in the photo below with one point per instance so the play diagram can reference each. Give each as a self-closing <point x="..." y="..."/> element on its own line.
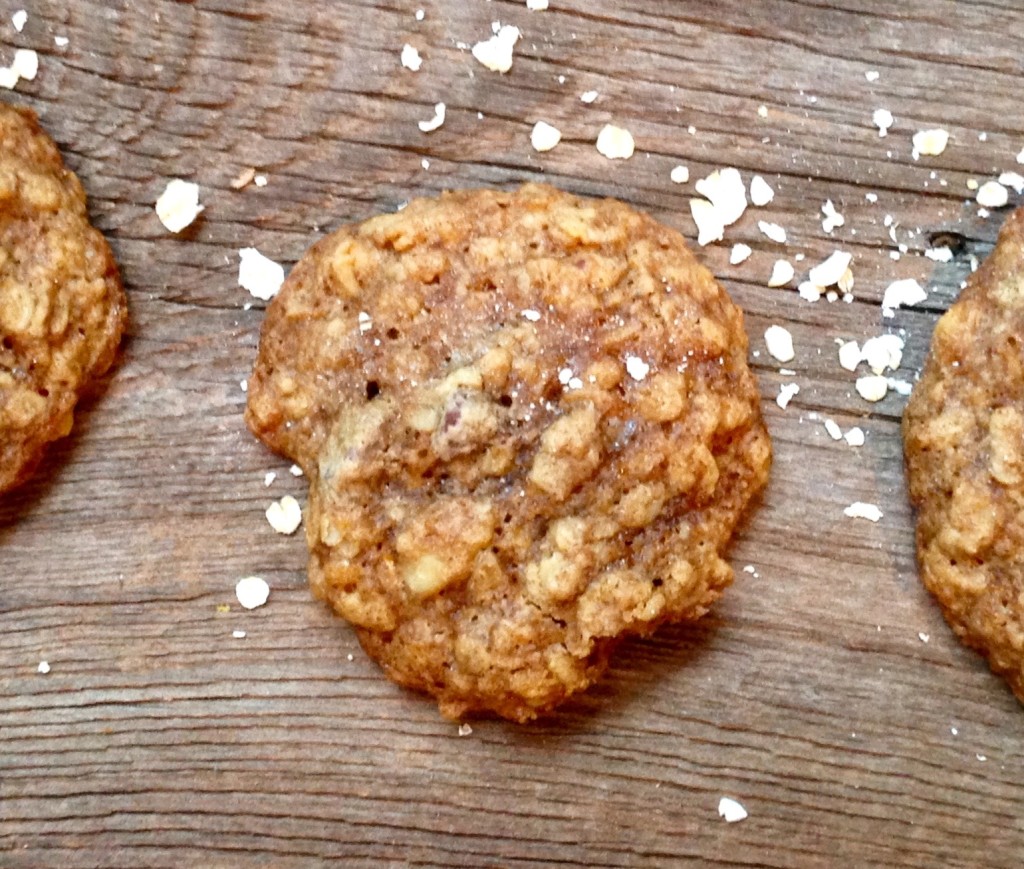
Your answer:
<point x="62" y="308"/>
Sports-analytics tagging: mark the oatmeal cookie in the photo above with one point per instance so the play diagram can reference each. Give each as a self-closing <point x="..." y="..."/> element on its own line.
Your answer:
<point x="529" y="429"/>
<point x="964" y="443"/>
<point x="62" y="308"/>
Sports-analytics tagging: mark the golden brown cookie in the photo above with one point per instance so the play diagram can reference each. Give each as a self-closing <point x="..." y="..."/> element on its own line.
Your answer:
<point x="964" y="442"/>
<point x="529" y="430"/>
<point x="62" y="308"/>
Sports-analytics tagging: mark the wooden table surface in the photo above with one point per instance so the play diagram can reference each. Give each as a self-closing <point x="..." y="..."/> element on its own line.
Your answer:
<point x="825" y="692"/>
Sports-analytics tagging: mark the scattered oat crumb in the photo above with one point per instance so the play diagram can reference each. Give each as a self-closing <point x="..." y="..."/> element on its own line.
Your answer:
<point x="420" y="14"/>
<point x="899" y="293"/>
<point x="434" y="122"/>
<point x="1014" y="180"/>
<point x="709" y="223"/>
<point x="779" y="342"/>
<point x="588" y="97"/>
<point x="258" y="274"/>
<point x="724" y="189"/>
<point x="871" y="197"/>
<point x="883" y="351"/>
<point x="465" y="730"/>
<point x="411" y="58"/>
<point x="992" y="194"/>
<point x="782" y="273"/>
<point x="739" y="253"/>
<point x="425" y="163"/>
<point x="731" y="810"/>
<point x="252" y="592"/>
<point x="930" y="143"/>
<point x="883" y="119"/>
<point x="238" y="635"/>
<point x="981" y="757"/>
<point x="871" y="75"/>
<point x="939" y="254"/>
<point x="762" y="111"/>
<point x="285" y="515"/>
<point x="637" y="368"/>
<point x="872" y="387"/>
<point x="761" y="192"/>
<point x="954" y="731"/>
<point x="536" y="5"/>
<point x="61" y="41"/>
<point x="1020" y="156"/>
<point x="269" y="477"/>
<point x="831" y="271"/>
<point x="25" y="64"/>
<point x="178" y="205"/>
<point x="832" y="218"/>
<point x="749" y="568"/>
<point x="861" y="510"/>
<point x="809" y="291"/>
<point x="243" y="385"/>
<point x="971" y="184"/>
<point x="260" y="180"/>
<point x="786" y="393"/>
<point x="531" y="315"/>
<point x="615" y="143"/>
<point x="773" y="231"/>
<point x="242" y="180"/>
<point x="350" y="657"/>
<point x="679" y="175"/>
<point x="849" y="355"/>
<point x="901" y="387"/>
<point x="295" y="471"/>
<point x="44" y="667"/>
<point x="855" y="437"/>
<point x="19" y="19"/>
<point x="496" y="53"/>
<point x="544" y="137"/>
<point x="834" y="432"/>
<point x="923" y="637"/>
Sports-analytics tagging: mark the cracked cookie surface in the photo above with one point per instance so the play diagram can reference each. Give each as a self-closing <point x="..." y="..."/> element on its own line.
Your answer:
<point x="62" y="308"/>
<point x="529" y="430"/>
<point x="963" y="435"/>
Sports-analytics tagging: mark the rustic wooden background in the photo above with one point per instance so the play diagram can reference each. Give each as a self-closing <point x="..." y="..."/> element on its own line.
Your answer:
<point x="158" y="739"/>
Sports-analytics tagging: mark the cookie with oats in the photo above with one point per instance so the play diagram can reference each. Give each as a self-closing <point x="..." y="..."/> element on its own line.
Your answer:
<point x="529" y="429"/>
<point x="62" y="308"/>
<point x="963" y="435"/>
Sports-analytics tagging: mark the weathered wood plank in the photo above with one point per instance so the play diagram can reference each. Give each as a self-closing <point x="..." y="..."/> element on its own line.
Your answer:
<point x="158" y="739"/>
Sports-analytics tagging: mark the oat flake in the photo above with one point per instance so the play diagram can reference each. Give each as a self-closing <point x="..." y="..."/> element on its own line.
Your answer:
<point x="258" y="274"/>
<point x="544" y="137"/>
<point x="782" y="273"/>
<point x="252" y="592"/>
<point x="436" y="121"/>
<point x="739" y="253"/>
<point x="496" y="53"/>
<point x="773" y="231"/>
<point x="178" y="206"/>
<point x="861" y="510"/>
<point x="285" y="515"/>
<point x="779" y="342"/>
<point x="411" y="58"/>
<point x="731" y="810"/>
<point x="615" y="143"/>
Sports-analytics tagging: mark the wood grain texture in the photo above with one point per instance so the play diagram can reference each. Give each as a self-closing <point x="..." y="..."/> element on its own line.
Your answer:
<point x="160" y="740"/>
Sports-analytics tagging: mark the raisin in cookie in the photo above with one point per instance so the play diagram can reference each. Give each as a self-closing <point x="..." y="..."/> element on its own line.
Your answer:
<point x="529" y="429"/>
<point x="62" y="308"/>
<point x="964" y="443"/>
